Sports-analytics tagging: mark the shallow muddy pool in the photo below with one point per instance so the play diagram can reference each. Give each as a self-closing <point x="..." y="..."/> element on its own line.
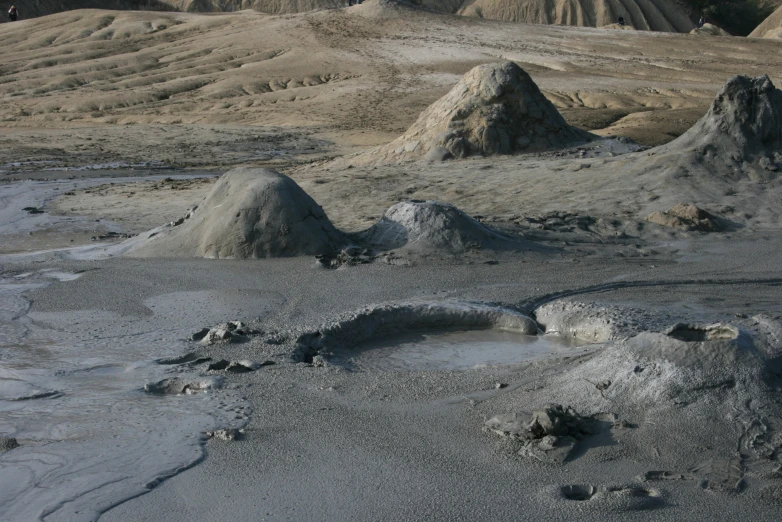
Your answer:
<point x="454" y="350"/>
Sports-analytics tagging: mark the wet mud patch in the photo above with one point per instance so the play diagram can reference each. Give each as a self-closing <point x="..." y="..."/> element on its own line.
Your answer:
<point x="382" y="322"/>
<point x="451" y="349"/>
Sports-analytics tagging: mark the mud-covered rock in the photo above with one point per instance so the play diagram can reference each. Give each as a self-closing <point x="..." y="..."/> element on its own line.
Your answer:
<point x="686" y="216"/>
<point x="180" y="386"/>
<point x="7" y="444"/>
<point x="549" y="435"/>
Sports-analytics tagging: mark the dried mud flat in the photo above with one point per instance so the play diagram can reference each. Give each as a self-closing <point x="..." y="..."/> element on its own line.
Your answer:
<point x="331" y="340"/>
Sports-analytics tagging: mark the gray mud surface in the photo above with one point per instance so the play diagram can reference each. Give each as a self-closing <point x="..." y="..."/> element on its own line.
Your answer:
<point x="395" y="444"/>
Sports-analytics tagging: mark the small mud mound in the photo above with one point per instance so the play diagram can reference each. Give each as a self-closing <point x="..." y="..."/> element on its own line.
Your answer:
<point x="740" y="136"/>
<point x="250" y="213"/>
<point x="710" y="30"/>
<point x="686" y="216"/>
<point x="428" y="225"/>
<point x="390" y="319"/>
<point x="699" y="333"/>
<point x="494" y="109"/>
<point x="699" y="347"/>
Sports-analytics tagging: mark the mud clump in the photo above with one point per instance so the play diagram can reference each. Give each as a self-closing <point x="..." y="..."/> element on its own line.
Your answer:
<point x="350" y="256"/>
<point x="243" y="366"/>
<point x="688" y="217"/>
<point x="494" y="109"/>
<point x="429" y="225"/>
<point x="226" y="434"/>
<point x="740" y="135"/>
<point x="232" y="331"/>
<point x="250" y="213"/>
<point x="177" y="386"/>
<point x="7" y="444"/>
<point x="549" y="436"/>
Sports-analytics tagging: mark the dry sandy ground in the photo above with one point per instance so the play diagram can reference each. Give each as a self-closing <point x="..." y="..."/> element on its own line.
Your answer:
<point x="357" y="75"/>
<point x="101" y="93"/>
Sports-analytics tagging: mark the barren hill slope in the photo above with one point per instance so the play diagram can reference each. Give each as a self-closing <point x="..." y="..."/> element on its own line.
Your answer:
<point x="654" y="15"/>
<point x="771" y="26"/>
<point x="367" y="71"/>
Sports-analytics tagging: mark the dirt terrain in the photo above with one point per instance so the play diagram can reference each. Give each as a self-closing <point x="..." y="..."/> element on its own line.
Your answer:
<point x="654" y="15"/>
<point x="379" y="262"/>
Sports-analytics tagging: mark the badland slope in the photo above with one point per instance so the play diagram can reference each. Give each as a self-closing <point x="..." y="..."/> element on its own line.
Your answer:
<point x="653" y="15"/>
<point x="771" y="26"/>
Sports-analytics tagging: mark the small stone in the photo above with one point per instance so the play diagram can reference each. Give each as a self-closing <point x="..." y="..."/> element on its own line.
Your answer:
<point x="500" y="385"/>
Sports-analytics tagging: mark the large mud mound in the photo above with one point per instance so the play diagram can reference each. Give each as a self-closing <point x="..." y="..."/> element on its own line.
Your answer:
<point x="494" y="109"/>
<point x="650" y="15"/>
<point x="428" y="225"/>
<point x="250" y="213"/>
<point x="740" y="135"/>
<point x="771" y="27"/>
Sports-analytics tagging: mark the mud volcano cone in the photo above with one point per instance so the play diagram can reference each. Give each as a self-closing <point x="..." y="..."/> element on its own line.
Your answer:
<point x="740" y="135"/>
<point x="494" y="109"/>
<point x="429" y="225"/>
<point x="250" y="213"/>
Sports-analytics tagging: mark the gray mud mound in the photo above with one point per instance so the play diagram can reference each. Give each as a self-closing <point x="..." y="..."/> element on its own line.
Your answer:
<point x="740" y="135"/>
<point x="698" y="346"/>
<point x="250" y="213"/>
<point x="686" y="216"/>
<point x="494" y="109"/>
<point x="429" y="225"/>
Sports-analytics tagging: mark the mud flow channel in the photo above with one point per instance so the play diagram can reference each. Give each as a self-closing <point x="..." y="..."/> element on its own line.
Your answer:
<point x="454" y="350"/>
